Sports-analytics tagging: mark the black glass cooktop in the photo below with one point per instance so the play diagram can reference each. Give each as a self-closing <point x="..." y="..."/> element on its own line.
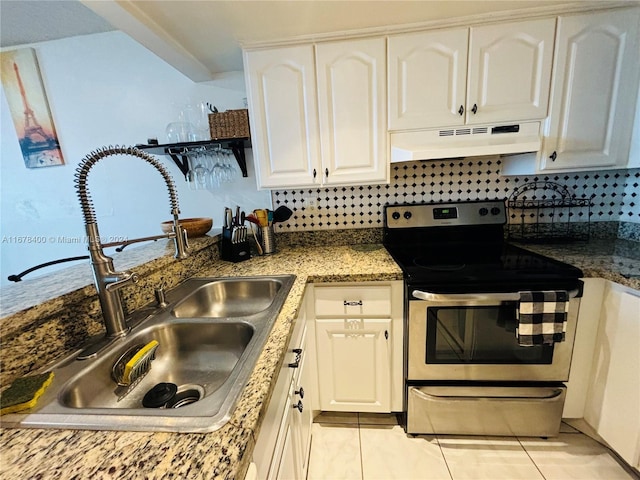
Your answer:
<point x="460" y="247"/>
<point x="481" y="267"/>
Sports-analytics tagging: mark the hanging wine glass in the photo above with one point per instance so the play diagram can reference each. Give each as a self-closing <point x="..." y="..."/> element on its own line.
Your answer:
<point x="201" y="171"/>
<point x="191" y="175"/>
<point x="228" y="166"/>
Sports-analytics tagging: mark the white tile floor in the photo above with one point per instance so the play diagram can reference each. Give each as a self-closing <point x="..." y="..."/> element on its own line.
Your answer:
<point x="369" y="446"/>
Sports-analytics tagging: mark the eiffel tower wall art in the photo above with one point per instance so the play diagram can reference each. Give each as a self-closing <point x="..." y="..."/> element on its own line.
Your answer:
<point x="29" y="108"/>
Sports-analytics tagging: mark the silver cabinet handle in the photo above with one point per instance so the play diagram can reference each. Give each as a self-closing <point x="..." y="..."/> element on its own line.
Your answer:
<point x="448" y="297"/>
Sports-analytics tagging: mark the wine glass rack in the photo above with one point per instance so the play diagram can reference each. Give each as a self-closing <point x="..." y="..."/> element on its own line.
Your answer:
<point x="179" y="151"/>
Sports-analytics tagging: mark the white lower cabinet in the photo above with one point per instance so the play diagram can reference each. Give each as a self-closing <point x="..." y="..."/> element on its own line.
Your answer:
<point x="359" y="346"/>
<point x="345" y="354"/>
<point x="355" y="364"/>
<point x="604" y="383"/>
<point x="288" y="467"/>
<point x="612" y="405"/>
<point x="284" y="439"/>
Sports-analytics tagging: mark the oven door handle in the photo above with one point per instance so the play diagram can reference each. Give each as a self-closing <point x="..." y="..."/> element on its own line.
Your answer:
<point x="509" y="393"/>
<point x="453" y="297"/>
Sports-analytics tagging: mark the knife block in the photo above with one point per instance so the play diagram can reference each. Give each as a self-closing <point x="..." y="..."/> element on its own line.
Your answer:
<point x="233" y="251"/>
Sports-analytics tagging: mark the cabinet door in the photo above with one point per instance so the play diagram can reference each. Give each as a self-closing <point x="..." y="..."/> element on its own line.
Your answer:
<point x="301" y="420"/>
<point x="281" y="91"/>
<point x="594" y="92"/>
<point x="288" y="468"/>
<point x="352" y="111"/>
<point x="510" y="71"/>
<point x="427" y="79"/>
<point x="613" y="399"/>
<point x="354" y="364"/>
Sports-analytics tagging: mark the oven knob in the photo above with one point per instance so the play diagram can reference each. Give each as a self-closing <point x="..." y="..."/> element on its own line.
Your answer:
<point x="407" y="215"/>
<point x="495" y="211"/>
<point x="483" y="211"/>
<point x="395" y="215"/>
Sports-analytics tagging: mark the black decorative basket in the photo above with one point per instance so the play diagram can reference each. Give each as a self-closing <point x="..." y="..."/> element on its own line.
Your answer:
<point x="547" y="212"/>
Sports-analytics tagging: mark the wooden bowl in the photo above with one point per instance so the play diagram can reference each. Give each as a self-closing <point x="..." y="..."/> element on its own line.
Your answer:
<point x="195" y="227"/>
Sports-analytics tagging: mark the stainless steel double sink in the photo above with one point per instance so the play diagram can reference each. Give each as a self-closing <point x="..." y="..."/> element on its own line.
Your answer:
<point x="210" y="336"/>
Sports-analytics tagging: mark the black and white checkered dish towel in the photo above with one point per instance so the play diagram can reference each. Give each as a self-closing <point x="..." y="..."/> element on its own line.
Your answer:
<point x="542" y="317"/>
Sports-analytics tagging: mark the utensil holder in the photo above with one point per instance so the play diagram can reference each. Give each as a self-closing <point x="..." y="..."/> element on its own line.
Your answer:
<point x="233" y="251"/>
<point x="267" y="240"/>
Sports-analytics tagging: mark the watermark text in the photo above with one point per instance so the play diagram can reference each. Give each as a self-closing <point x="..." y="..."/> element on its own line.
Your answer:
<point x="61" y="239"/>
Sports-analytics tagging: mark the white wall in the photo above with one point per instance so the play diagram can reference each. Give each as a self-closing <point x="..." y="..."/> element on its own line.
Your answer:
<point x="104" y="89"/>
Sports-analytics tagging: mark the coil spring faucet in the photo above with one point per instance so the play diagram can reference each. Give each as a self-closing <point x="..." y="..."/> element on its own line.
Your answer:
<point x="108" y="281"/>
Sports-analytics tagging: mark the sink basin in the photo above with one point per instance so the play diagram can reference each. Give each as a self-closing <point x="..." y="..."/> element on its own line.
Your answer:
<point x="229" y="298"/>
<point x="210" y="336"/>
<point x="195" y="355"/>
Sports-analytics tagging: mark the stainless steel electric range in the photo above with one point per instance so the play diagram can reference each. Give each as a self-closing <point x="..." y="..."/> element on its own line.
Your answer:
<point x="465" y="370"/>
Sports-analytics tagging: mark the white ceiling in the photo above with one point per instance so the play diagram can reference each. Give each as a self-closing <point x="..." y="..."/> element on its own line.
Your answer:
<point x="25" y="22"/>
<point x="203" y="39"/>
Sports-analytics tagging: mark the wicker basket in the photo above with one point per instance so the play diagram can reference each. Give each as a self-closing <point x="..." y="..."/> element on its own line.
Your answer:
<point x="229" y="124"/>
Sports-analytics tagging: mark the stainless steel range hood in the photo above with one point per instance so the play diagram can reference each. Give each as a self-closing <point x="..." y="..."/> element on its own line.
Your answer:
<point x="465" y="141"/>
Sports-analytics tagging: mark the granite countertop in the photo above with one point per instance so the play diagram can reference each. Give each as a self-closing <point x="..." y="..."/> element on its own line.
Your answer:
<point x="613" y="259"/>
<point x="69" y="454"/>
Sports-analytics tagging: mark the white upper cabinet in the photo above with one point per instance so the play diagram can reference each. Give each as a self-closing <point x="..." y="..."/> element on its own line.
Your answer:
<point x="281" y="91"/>
<point x="340" y="138"/>
<point x="595" y="85"/>
<point x="428" y="79"/>
<point x="510" y="71"/>
<point x="352" y="110"/>
<point x="487" y="74"/>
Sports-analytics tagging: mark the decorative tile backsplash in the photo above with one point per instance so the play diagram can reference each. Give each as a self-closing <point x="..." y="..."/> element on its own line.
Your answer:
<point x="615" y="193"/>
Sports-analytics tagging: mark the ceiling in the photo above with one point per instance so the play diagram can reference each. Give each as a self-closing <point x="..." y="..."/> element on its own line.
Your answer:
<point x="26" y="22"/>
<point x="203" y="39"/>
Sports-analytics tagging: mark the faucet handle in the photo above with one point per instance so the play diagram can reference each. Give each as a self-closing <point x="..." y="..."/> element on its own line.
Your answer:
<point x="160" y="296"/>
<point x="117" y="280"/>
<point x="180" y="241"/>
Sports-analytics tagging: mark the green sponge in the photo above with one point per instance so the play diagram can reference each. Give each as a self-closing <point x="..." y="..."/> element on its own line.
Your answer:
<point x="24" y="392"/>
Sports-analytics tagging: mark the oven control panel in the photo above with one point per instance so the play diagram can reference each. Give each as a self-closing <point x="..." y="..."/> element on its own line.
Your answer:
<point x="491" y="212"/>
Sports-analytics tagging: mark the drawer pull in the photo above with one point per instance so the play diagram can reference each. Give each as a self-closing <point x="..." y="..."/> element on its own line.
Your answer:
<point x="300" y="392"/>
<point x="298" y="406"/>
<point x="353" y="303"/>
<point x="296" y="362"/>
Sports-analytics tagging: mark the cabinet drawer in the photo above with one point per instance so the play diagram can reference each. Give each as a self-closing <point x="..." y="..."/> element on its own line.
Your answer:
<point x="353" y="301"/>
<point x="534" y="411"/>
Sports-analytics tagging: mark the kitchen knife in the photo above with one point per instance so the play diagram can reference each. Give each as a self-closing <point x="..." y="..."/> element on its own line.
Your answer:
<point x="227" y="217"/>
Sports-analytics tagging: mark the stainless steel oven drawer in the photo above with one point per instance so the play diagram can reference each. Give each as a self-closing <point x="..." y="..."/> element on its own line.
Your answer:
<point x="471" y="410"/>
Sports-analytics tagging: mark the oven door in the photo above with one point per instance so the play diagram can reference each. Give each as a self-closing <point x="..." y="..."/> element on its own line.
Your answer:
<point x="471" y="337"/>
